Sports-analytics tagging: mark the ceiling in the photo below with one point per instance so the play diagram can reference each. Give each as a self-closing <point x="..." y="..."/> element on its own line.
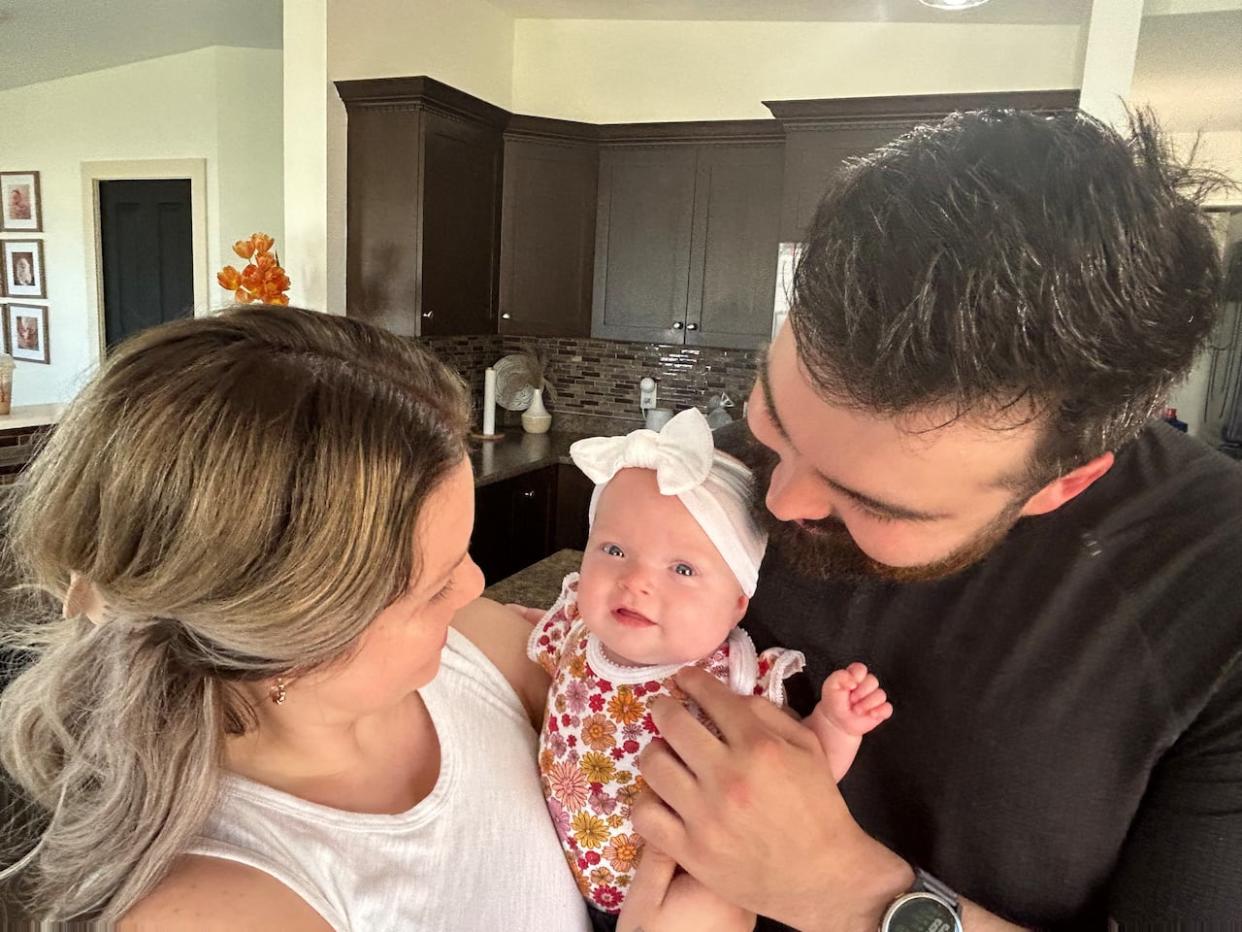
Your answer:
<point x="805" y="11"/>
<point x="41" y="40"/>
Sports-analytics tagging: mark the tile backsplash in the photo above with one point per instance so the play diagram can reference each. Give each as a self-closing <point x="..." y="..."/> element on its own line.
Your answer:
<point x="599" y="378"/>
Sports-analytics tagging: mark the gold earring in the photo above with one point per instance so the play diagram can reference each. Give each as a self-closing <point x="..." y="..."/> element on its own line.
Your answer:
<point x="278" y="691"/>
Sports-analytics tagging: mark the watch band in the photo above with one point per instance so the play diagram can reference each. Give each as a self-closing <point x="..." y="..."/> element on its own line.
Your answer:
<point x="924" y="881"/>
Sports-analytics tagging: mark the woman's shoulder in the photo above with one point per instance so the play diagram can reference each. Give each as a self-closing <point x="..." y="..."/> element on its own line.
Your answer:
<point x="501" y="634"/>
<point x="205" y="894"/>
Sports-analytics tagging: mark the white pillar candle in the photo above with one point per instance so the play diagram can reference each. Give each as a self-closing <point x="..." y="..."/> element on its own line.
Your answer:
<point x="489" y="401"/>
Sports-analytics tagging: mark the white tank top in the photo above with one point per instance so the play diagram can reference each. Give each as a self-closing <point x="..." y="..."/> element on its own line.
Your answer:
<point x="480" y="852"/>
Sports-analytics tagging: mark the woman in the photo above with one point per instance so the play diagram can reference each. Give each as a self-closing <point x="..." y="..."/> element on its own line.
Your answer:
<point x="254" y="712"/>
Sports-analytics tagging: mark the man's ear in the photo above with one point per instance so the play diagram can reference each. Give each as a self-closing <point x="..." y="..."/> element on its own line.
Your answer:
<point x="1061" y="490"/>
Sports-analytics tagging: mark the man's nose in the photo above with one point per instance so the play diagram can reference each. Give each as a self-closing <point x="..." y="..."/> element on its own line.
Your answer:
<point x="795" y="496"/>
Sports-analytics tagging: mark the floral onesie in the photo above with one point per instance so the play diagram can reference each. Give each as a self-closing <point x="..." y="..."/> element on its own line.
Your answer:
<point x="596" y="725"/>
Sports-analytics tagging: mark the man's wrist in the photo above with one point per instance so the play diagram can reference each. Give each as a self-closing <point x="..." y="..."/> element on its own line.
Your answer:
<point x="880" y="876"/>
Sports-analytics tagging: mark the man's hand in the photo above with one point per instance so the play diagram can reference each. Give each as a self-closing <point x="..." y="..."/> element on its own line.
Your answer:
<point x="756" y="816"/>
<point x="662" y="900"/>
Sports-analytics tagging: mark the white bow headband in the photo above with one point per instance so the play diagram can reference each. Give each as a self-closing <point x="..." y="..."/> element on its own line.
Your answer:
<point x="714" y="487"/>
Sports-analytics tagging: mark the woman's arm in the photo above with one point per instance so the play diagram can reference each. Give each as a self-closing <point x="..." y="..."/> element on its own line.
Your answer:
<point x="502" y="635"/>
<point x="205" y="894"/>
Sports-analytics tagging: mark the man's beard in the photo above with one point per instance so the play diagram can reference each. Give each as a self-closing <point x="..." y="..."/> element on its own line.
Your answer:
<point x="824" y="549"/>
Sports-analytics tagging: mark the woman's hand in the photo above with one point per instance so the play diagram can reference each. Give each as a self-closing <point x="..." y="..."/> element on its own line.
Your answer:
<point x="662" y="899"/>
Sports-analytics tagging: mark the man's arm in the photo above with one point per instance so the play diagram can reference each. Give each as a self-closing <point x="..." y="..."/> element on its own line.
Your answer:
<point x="757" y="817"/>
<point x="1182" y="860"/>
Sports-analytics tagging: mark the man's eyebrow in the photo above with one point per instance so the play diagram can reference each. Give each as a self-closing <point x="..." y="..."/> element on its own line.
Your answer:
<point x="765" y="384"/>
<point x="893" y="511"/>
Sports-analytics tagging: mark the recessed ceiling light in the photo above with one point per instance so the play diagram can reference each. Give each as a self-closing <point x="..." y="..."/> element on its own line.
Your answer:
<point x="952" y="4"/>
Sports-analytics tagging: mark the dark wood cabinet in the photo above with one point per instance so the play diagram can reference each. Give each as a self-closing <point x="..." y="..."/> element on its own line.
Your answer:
<point x="513" y="523"/>
<point x="423" y="212"/>
<point x="821" y="134"/>
<point x="573" y="502"/>
<point x="733" y="273"/>
<point x="686" y="238"/>
<point x="547" y="240"/>
<point x="520" y="521"/>
<point x="644" y="227"/>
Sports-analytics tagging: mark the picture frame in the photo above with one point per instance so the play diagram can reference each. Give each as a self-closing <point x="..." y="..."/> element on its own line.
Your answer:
<point x="26" y="333"/>
<point x="21" y="203"/>
<point x="22" y="268"/>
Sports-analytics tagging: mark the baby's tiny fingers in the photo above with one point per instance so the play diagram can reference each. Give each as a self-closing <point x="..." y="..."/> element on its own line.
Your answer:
<point x="869" y="702"/>
<point x="857" y="670"/>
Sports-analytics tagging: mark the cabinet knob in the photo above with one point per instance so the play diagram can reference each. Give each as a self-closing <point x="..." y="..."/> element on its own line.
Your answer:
<point x="528" y="493"/>
<point x="427" y="315"/>
<point x="677" y="324"/>
<point x="506" y="316"/>
<point x="692" y="326"/>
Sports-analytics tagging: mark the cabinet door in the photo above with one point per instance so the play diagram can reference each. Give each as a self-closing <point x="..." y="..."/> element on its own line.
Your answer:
<point x="812" y="160"/>
<point x="460" y="236"/>
<point x="737" y="231"/>
<point x="513" y="523"/>
<point x="547" y="240"/>
<point x="573" y="503"/>
<point x="642" y="243"/>
<point x="381" y="280"/>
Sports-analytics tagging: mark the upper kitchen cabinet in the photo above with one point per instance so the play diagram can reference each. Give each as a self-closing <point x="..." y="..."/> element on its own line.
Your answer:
<point x="687" y="232"/>
<point x="642" y="243"/>
<point x="737" y="217"/>
<point x="820" y="135"/>
<point x="423" y="215"/>
<point x="547" y="241"/>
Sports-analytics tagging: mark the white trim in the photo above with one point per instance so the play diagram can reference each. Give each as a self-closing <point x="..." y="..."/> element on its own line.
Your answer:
<point x="195" y="171"/>
<point x="626" y="674"/>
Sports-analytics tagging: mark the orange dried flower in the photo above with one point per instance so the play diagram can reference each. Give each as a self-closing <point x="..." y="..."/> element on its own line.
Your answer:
<point x="262" y="279"/>
<point x="229" y="278"/>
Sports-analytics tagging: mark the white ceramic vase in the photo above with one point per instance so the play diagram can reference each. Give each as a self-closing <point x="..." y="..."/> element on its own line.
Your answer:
<point x="536" y="419"/>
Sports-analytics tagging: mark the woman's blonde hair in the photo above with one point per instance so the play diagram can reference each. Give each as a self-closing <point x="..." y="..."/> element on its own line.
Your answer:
<point x="242" y="490"/>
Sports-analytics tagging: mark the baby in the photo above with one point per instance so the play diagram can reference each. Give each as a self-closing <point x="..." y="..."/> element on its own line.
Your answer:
<point x="671" y="563"/>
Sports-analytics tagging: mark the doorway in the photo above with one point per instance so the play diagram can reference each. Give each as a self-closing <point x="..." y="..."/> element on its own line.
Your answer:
<point x="146" y="252"/>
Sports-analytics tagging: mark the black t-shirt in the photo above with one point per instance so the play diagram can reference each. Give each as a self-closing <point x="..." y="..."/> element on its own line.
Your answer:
<point x="1066" y="743"/>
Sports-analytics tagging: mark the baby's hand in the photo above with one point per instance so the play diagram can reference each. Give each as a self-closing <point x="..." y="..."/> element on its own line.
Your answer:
<point x="852" y="701"/>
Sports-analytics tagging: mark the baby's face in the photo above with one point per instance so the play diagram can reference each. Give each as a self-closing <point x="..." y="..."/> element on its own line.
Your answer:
<point x="654" y="588"/>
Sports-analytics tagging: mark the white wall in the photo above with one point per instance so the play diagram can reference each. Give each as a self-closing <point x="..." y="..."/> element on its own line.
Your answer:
<point x="468" y="44"/>
<point x="222" y="105"/>
<point x="631" y="71"/>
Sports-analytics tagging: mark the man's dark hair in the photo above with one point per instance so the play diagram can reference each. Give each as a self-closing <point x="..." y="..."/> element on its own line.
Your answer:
<point x="1015" y="262"/>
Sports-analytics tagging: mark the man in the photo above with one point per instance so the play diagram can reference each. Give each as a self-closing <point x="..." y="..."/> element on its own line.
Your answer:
<point x="968" y="493"/>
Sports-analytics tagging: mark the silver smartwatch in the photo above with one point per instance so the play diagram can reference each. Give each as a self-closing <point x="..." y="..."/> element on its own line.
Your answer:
<point x="928" y="906"/>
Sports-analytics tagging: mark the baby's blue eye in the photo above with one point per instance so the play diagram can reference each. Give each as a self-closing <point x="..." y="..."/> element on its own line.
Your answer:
<point x="683" y="569"/>
<point x="613" y="550"/>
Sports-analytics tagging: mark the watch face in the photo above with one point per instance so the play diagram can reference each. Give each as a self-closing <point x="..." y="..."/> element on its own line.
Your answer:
<point x="922" y="912"/>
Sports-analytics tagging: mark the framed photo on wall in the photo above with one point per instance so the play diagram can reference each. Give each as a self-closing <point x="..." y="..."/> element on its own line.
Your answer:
<point x="23" y="269"/>
<point x="25" y="333"/>
<point x="21" y="209"/>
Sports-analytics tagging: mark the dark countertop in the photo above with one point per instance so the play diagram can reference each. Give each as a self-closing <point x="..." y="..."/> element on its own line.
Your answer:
<point x="539" y="584"/>
<point x="518" y="453"/>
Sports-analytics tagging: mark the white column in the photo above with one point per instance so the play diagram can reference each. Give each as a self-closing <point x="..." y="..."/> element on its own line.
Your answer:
<point x="1108" y="65"/>
<point x="313" y="252"/>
